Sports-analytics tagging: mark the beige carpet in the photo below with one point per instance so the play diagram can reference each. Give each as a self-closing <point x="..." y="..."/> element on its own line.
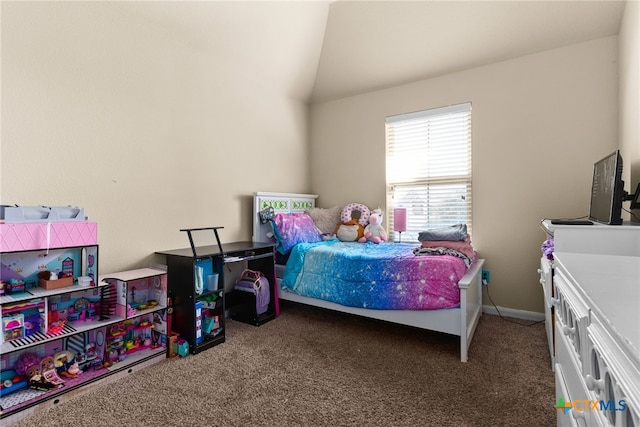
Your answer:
<point x="312" y="367"/>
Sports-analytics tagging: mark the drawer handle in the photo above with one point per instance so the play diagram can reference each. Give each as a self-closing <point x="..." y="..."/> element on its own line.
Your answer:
<point x="555" y="302"/>
<point x="568" y="331"/>
<point x="594" y="384"/>
<point x="542" y="281"/>
<point x="539" y="270"/>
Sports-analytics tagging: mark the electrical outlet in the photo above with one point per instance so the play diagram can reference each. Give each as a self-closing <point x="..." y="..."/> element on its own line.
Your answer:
<point x="486" y="277"/>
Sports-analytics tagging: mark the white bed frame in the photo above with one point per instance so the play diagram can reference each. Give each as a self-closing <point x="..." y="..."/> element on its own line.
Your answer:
<point x="461" y="321"/>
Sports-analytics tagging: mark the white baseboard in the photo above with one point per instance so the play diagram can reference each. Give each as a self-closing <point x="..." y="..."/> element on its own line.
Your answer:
<point x="510" y="312"/>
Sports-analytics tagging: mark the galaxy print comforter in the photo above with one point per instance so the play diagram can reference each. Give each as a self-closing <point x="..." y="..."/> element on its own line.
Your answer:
<point x="385" y="276"/>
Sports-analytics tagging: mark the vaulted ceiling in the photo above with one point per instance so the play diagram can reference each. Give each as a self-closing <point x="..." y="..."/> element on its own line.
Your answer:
<point x="323" y="50"/>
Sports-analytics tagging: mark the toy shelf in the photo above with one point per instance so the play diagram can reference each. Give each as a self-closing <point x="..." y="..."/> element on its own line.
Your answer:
<point x="136" y="357"/>
<point x="36" y="292"/>
<point x="29" y="397"/>
<point x="31" y="303"/>
<point x="44" y="337"/>
<point x="139" y="291"/>
<point x="58" y="336"/>
<point x="54" y="328"/>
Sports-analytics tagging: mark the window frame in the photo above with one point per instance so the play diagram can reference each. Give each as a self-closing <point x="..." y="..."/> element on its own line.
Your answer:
<point x="447" y="134"/>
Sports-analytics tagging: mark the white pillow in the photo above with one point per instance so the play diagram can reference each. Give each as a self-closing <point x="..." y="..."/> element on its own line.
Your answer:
<point x="327" y="220"/>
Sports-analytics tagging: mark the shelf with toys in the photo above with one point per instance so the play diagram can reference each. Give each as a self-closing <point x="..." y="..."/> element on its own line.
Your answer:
<point x="47" y="291"/>
<point x="57" y="315"/>
<point x="141" y="303"/>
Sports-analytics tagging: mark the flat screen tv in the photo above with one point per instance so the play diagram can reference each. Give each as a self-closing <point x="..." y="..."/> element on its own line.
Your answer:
<point x="607" y="190"/>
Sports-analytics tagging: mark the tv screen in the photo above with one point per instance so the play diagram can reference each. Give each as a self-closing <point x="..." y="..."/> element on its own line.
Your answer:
<point x="607" y="190"/>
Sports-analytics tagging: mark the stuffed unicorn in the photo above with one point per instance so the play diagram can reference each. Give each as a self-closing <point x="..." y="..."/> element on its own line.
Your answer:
<point x="374" y="231"/>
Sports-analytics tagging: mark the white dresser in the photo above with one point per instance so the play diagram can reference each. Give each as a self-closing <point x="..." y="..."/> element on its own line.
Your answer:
<point x="596" y="324"/>
<point x="546" y="280"/>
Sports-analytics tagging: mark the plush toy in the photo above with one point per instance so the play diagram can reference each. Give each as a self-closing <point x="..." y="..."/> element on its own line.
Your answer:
<point x="374" y="231"/>
<point x="351" y="231"/>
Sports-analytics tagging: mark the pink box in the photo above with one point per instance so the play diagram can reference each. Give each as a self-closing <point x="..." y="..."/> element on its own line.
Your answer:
<point x="47" y="235"/>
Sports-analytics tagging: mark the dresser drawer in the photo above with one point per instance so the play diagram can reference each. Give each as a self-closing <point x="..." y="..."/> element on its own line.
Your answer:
<point x="567" y="358"/>
<point x="612" y="376"/>
<point x="572" y="317"/>
<point x="567" y="417"/>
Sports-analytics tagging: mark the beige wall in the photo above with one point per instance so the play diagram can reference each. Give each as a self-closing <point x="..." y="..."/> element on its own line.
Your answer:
<point x="629" y="98"/>
<point x="148" y="135"/>
<point x="539" y="123"/>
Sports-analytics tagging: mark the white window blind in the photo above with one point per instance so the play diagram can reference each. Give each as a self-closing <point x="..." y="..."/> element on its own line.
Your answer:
<point x="429" y="168"/>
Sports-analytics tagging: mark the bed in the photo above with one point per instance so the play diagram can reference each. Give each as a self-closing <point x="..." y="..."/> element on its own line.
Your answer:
<point x="439" y="310"/>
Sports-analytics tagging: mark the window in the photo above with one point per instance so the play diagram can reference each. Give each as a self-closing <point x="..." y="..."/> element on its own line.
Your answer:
<point x="429" y="168"/>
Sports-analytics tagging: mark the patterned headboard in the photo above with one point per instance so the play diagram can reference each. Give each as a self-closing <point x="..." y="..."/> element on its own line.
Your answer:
<point x="281" y="203"/>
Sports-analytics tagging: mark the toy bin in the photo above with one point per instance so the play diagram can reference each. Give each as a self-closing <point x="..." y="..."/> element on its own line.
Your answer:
<point x="55" y="284"/>
<point x="183" y="347"/>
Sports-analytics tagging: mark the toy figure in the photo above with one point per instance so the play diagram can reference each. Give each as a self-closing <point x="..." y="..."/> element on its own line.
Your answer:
<point x="25" y="362"/>
<point x="73" y="371"/>
<point x="63" y="360"/>
<point x="47" y="364"/>
<point x="30" y="365"/>
<point x="130" y="311"/>
<point x="37" y="380"/>
<point x="374" y="231"/>
<point x="350" y="231"/>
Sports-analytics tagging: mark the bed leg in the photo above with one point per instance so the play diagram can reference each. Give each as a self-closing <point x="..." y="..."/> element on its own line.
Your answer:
<point x="463" y="325"/>
<point x="471" y="304"/>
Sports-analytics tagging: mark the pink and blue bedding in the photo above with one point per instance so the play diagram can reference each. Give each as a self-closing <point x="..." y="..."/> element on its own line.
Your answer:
<point x="374" y="276"/>
<point x="294" y="228"/>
